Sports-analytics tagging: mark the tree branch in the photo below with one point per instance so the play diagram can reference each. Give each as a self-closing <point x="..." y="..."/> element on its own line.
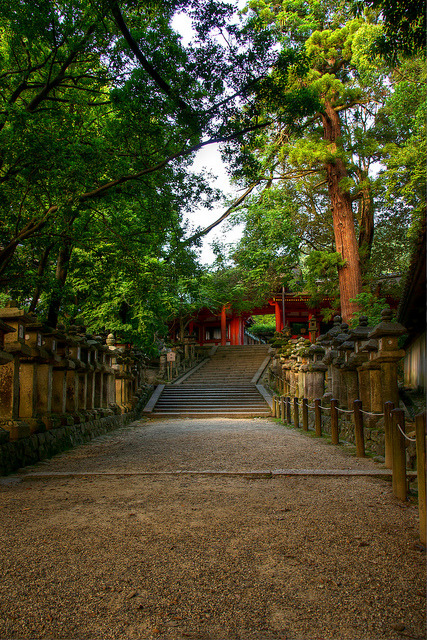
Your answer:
<point x="225" y="215"/>
<point x="152" y="72"/>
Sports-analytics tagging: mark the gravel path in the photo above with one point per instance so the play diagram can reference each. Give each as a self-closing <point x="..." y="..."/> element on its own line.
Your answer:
<point x="207" y="557"/>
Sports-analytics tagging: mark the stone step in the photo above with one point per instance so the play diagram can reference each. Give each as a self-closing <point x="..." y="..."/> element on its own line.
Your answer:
<point x="222" y="387"/>
<point x="206" y="396"/>
<point x="163" y="402"/>
<point x="211" y="414"/>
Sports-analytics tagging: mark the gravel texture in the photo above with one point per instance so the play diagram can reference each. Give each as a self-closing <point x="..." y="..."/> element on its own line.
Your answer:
<point x="208" y="557"/>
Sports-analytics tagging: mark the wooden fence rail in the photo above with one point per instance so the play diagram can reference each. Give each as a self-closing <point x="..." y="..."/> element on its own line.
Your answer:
<point x="396" y="439"/>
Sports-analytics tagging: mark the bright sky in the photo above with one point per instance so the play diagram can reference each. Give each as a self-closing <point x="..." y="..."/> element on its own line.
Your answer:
<point x="209" y="159"/>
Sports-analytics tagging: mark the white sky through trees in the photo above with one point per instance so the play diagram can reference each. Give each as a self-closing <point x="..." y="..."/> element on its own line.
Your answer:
<point x="209" y="159"/>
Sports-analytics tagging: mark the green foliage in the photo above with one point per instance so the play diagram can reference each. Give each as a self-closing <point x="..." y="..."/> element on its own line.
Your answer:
<point x="95" y="142"/>
<point x="404" y="26"/>
<point x="405" y="153"/>
<point x="263" y="326"/>
<point x="370" y="306"/>
<point x="320" y="275"/>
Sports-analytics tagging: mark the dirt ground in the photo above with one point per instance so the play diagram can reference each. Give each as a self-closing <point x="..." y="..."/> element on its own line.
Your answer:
<point x="207" y="557"/>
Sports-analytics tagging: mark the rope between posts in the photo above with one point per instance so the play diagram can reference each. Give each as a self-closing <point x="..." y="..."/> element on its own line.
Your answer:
<point x="310" y="406"/>
<point x="371" y="413"/>
<point x="404" y="434"/>
<point x="345" y="410"/>
<point x="325" y="408"/>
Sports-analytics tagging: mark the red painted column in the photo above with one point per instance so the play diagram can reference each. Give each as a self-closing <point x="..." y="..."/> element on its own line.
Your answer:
<point x="278" y="318"/>
<point x="232" y="332"/>
<point x="223" y="327"/>
<point x="235" y="327"/>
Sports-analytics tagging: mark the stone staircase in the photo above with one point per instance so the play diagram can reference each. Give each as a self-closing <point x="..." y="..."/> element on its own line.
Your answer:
<point x="224" y="386"/>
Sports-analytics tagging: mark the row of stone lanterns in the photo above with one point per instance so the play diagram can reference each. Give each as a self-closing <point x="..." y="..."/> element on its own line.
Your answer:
<point x="345" y="364"/>
<point x="49" y="378"/>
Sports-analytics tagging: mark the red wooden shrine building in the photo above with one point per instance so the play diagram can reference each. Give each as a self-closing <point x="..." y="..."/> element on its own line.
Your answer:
<point x="233" y="328"/>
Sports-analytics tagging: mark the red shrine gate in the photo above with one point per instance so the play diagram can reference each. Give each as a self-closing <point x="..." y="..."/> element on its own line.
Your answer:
<point x="228" y="327"/>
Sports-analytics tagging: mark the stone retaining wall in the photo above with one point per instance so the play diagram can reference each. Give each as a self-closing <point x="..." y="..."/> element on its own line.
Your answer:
<point x="39" y="446"/>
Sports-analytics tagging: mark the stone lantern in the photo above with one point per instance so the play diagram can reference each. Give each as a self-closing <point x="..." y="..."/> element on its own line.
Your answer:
<point x="99" y="371"/>
<point x="370" y="378"/>
<point x="303" y="353"/>
<point x="35" y="390"/>
<point x="294" y="368"/>
<point x="110" y="361"/>
<point x="5" y="356"/>
<point x="73" y="375"/>
<point x="61" y="368"/>
<point x="339" y="389"/>
<point x="315" y="371"/>
<point x="14" y="345"/>
<point x="45" y="373"/>
<point x="387" y="333"/>
<point x="354" y="360"/>
<point x="325" y="341"/>
<point x="349" y="372"/>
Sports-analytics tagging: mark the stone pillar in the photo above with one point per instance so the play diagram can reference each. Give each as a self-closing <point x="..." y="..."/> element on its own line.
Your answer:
<point x="90" y="377"/>
<point x="72" y="375"/>
<point x="105" y="376"/>
<point x="45" y="377"/>
<point x="121" y="378"/>
<point x="34" y="388"/>
<point x="303" y="357"/>
<point x="293" y="371"/>
<point x="98" y="390"/>
<point x="370" y="378"/>
<point x="358" y="385"/>
<point x="312" y="328"/>
<point x="58" y="387"/>
<point x="111" y="360"/>
<point x="330" y="354"/>
<point x="14" y="345"/>
<point x="339" y="389"/>
<point x="349" y="372"/>
<point x="82" y="372"/>
<point x="61" y="375"/>
<point x="315" y="373"/>
<point x="387" y="333"/>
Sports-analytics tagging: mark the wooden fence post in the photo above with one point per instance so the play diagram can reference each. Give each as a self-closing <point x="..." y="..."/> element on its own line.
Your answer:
<point x="296" y="413"/>
<point x="399" y="453"/>
<point x="420" y="427"/>
<point x="288" y="410"/>
<point x="318" y="417"/>
<point x="334" y="422"/>
<point x="305" y="414"/>
<point x="273" y="410"/>
<point x="358" y="429"/>
<point x="388" y="408"/>
<point x="282" y="408"/>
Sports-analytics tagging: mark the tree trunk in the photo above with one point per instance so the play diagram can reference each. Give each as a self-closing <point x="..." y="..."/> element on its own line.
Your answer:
<point x="350" y="280"/>
<point x="62" y="265"/>
<point x="40" y="271"/>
